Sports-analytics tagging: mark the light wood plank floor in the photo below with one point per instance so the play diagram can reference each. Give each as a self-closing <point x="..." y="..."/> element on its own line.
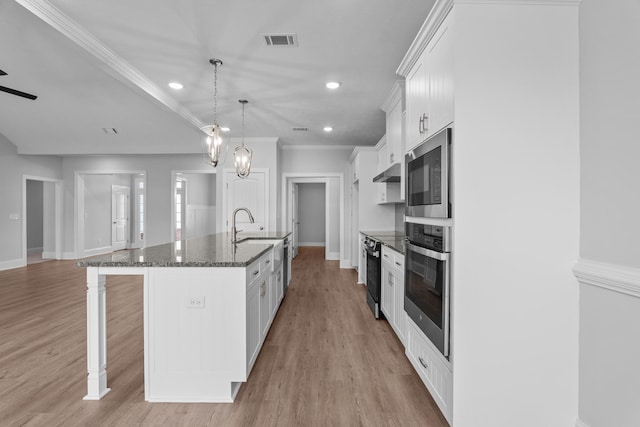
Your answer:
<point x="326" y="360"/>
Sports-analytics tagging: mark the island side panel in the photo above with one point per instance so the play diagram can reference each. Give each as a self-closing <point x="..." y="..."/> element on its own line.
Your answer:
<point x="196" y="345"/>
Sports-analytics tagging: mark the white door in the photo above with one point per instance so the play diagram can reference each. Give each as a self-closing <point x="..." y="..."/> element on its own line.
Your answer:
<point x="252" y="193"/>
<point x="295" y="221"/>
<point x="119" y="217"/>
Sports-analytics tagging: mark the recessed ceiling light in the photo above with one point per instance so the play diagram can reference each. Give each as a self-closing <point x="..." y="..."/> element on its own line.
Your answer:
<point x="328" y="128"/>
<point x="225" y="129"/>
<point x="175" y="85"/>
<point x="332" y="85"/>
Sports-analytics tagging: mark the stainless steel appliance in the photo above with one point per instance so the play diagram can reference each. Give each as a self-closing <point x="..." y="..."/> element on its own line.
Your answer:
<point x="427" y="266"/>
<point x="427" y="183"/>
<point x="374" y="267"/>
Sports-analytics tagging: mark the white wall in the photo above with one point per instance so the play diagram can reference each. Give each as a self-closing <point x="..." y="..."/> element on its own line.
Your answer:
<point x="201" y="204"/>
<point x="515" y="214"/>
<point x="610" y="209"/>
<point x="158" y="189"/>
<point x="311" y="211"/>
<point x="12" y="169"/>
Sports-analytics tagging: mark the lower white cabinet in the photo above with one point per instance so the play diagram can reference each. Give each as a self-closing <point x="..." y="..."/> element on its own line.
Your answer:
<point x="392" y="277"/>
<point x="432" y="368"/>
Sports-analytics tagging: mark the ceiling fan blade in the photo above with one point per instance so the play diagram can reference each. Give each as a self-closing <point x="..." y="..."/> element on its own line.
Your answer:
<point x="17" y="92"/>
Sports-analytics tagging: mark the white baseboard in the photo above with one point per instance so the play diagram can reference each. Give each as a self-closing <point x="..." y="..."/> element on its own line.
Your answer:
<point x="48" y="255"/>
<point x="333" y="256"/>
<point x="311" y="244"/>
<point x="97" y="251"/>
<point x="346" y="264"/>
<point x="69" y="255"/>
<point x="613" y="277"/>
<point x="34" y="250"/>
<point x="579" y="423"/>
<point x="14" y="263"/>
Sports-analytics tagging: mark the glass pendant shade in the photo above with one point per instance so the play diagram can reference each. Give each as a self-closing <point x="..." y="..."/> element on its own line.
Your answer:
<point x="242" y="155"/>
<point x="242" y="161"/>
<point x="213" y="146"/>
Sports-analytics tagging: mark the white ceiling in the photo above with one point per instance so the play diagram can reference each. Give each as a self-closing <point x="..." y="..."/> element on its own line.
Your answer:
<point x="106" y="64"/>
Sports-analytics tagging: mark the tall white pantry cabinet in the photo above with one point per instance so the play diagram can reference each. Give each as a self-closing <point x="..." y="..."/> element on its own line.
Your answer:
<point x="504" y="74"/>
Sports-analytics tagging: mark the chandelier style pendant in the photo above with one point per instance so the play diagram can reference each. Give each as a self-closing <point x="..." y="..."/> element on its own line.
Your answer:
<point x="242" y="155"/>
<point x="214" y="147"/>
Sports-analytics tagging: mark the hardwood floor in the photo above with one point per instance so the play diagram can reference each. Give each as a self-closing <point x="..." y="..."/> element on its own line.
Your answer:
<point x="326" y="360"/>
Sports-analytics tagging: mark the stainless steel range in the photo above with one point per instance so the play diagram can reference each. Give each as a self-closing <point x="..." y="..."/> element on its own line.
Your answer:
<point x="374" y="267"/>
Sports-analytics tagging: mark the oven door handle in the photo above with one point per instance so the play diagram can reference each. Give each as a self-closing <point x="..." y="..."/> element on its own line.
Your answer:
<point x="440" y="256"/>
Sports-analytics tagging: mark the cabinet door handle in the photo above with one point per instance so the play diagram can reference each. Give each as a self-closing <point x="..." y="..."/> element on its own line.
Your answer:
<point x="255" y="273"/>
<point x="263" y="289"/>
<point x="386" y="255"/>
<point x="398" y="264"/>
<point x="420" y="125"/>
<point x="423" y="363"/>
<point x="268" y="262"/>
<point x="391" y="158"/>
<point x="425" y="119"/>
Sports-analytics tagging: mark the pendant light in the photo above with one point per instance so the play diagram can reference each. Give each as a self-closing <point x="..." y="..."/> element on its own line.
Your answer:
<point x="213" y="146"/>
<point x="242" y="155"/>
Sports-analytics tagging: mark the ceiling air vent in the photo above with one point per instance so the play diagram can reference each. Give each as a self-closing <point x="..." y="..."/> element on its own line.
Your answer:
<point x="110" y="131"/>
<point x="300" y="129"/>
<point x="275" y="40"/>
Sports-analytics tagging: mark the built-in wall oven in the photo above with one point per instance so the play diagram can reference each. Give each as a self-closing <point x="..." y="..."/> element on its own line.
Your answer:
<point x="427" y="267"/>
<point x="427" y="183"/>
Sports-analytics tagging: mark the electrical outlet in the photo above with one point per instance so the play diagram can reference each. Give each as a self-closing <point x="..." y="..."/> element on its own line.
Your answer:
<point x="195" y="302"/>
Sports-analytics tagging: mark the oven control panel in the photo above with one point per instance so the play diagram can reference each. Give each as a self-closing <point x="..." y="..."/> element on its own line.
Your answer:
<point x="428" y="236"/>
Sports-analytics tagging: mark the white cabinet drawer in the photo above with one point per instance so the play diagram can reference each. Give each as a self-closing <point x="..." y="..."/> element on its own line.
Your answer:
<point x="433" y="371"/>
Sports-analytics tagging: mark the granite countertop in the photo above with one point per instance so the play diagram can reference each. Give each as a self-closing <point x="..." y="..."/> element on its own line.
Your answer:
<point x="391" y="239"/>
<point x="214" y="250"/>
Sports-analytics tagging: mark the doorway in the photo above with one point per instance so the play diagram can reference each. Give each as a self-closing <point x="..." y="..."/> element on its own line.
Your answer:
<point x="333" y="209"/>
<point x="42" y="224"/>
<point x="309" y="216"/>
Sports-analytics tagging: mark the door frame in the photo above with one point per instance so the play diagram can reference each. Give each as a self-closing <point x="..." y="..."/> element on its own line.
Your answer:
<point x="301" y="178"/>
<point x="78" y="202"/>
<point x="57" y="231"/>
<point x="114" y="188"/>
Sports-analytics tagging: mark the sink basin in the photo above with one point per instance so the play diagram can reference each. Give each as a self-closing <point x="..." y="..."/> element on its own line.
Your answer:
<point x="278" y="250"/>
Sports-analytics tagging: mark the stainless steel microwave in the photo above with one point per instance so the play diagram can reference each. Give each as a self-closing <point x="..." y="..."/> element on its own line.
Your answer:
<point x="427" y="183"/>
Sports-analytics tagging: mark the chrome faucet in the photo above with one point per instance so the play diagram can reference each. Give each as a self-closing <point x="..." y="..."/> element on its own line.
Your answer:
<point x="233" y="228"/>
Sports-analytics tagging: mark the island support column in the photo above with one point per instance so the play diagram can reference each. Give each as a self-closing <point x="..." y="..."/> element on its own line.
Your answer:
<point x="96" y="335"/>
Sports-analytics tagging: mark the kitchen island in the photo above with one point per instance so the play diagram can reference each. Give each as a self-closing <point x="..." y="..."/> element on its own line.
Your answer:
<point x="208" y="305"/>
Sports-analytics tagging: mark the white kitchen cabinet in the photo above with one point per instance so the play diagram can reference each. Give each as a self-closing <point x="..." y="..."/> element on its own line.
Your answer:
<point x="429" y="88"/>
<point x="432" y="368"/>
<point x="383" y="163"/>
<point x="265" y="311"/>
<point x="355" y="169"/>
<point x="393" y="107"/>
<point x="392" y="277"/>
<point x="403" y="149"/>
<point x="276" y="291"/>
<point x="253" y="324"/>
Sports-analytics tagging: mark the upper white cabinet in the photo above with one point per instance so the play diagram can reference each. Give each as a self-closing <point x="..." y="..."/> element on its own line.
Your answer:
<point x="355" y="169"/>
<point x="393" y="107"/>
<point x="429" y="88"/>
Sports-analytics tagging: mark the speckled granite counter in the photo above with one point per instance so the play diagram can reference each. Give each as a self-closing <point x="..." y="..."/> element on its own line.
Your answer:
<point x="392" y="239"/>
<point x="214" y="250"/>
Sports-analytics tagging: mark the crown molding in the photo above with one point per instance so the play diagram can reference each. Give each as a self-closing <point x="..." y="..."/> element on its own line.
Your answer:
<point x="316" y="147"/>
<point x="76" y="33"/>
<point x="613" y="277"/>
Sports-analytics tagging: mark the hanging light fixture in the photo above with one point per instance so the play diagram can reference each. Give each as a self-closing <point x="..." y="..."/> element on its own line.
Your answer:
<point x="214" y="147"/>
<point x="242" y="155"/>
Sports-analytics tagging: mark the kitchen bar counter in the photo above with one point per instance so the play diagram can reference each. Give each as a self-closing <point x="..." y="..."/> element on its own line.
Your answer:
<point x="392" y="239"/>
<point x="208" y="305"/>
<point x="214" y="250"/>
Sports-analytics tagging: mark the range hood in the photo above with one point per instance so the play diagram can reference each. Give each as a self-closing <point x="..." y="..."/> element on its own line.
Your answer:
<point x="392" y="174"/>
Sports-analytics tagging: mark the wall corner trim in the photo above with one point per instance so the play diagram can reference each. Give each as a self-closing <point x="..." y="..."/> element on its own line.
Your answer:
<point x="613" y="277"/>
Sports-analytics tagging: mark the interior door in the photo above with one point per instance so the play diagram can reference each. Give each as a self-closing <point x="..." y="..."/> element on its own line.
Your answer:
<point x="251" y="193"/>
<point x="295" y="220"/>
<point x="119" y="217"/>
